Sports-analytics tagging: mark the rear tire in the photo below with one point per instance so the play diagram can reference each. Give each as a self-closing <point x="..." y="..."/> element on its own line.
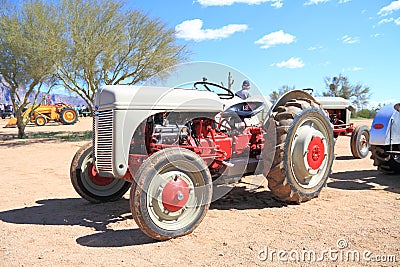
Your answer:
<point x="359" y="142"/>
<point x="91" y="186"/>
<point x="304" y="151"/>
<point x="386" y="163"/>
<point x="171" y="193"/>
<point x="68" y="116"/>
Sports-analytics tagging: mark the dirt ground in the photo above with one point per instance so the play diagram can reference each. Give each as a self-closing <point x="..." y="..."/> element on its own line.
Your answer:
<point x="43" y="222"/>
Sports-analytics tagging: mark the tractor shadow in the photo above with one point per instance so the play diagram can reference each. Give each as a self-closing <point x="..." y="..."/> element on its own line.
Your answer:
<point x="76" y="211"/>
<point x="365" y="180"/>
<point x="100" y="217"/>
<point x="345" y="158"/>
<point x="240" y="197"/>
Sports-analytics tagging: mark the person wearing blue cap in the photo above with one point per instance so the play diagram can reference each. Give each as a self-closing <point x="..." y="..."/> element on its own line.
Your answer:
<point x="244" y="93"/>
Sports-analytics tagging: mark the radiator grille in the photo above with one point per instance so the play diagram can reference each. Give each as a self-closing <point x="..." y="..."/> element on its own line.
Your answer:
<point x="103" y="141"/>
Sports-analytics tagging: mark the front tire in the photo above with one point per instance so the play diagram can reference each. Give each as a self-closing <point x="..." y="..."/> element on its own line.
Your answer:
<point x="304" y="151"/>
<point x="386" y="163"/>
<point x="359" y="142"/>
<point x="171" y="193"/>
<point x="89" y="184"/>
<point x="40" y="120"/>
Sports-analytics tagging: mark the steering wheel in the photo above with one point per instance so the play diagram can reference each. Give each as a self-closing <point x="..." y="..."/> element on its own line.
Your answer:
<point x="228" y="95"/>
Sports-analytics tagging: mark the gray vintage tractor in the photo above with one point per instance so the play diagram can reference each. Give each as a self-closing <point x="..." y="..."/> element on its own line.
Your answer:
<point x="385" y="139"/>
<point x="174" y="146"/>
<point x="339" y="110"/>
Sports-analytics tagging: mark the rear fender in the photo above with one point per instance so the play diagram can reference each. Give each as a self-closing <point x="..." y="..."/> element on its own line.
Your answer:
<point x="294" y="94"/>
<point x="385" y="127"/>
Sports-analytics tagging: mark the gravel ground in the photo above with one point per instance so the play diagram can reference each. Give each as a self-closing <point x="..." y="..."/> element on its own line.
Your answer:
<point x="44" y="222"/>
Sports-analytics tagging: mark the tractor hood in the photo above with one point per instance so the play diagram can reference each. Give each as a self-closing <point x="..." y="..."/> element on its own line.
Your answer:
<point x="334" y="102"/>
<point x="124" y="97"/>
<point x="157" y="98"/>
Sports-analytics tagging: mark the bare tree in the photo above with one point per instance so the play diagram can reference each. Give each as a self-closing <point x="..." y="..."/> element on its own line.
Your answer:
<point x="340" y="86"/>
<point x="108" y="46"/>
<point x="29" y="48"/>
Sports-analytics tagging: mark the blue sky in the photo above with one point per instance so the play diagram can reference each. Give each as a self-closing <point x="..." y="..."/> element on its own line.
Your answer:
<point x="295" y="43"/>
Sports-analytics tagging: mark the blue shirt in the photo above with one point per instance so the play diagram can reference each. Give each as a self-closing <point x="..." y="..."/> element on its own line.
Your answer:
<point x="243" y="94"/>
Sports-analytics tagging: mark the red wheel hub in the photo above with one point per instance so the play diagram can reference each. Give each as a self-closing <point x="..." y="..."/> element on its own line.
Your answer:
<point x="316" y="153"/>
<point x="175" y="194"/>
<point x="363" y="141"/>
<point x="96" y="178"/>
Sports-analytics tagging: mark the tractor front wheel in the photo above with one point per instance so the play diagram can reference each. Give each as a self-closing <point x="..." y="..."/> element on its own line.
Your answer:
<point x="40" y="120"/>
<point x="359" y="142"/>
<point x="68" y="116"/>
<point x="304" y="151"/>
<point x="171" y="193"/>
<point x="89" y="184"/>
<point x="386" y="163"/>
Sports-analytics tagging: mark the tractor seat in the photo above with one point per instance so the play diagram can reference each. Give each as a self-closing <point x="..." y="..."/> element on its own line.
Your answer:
<point x="244" y="109"/>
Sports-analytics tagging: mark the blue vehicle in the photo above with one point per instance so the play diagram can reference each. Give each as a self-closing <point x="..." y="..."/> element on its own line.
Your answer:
<point x="385" y="139"/>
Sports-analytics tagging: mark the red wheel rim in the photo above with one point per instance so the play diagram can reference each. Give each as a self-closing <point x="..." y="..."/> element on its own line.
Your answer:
<point x="175" y="194"/>
<point x="316" y="153"/>
<point x="96" y="178"/>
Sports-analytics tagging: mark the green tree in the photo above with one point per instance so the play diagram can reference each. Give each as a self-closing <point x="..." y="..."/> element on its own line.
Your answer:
<point x="366" y="113"/>
<point x="81" y="44"/>
<point x="107" y="44"/>
<point x="29" y="49"/>
<point x="276" y="94"/>
<point x="361" y="95"/>
<point x="340" y="86"/>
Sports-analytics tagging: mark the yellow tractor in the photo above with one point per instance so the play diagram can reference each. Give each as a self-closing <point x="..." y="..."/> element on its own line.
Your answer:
<point x="59" y="112"/>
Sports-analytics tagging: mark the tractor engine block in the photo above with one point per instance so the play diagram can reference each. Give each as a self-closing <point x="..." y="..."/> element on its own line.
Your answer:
<point x="170" y="134"/>
<point x="219" y="146"/>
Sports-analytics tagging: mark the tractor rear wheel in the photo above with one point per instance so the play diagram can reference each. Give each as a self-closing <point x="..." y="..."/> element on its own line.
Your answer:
<point x="171" y="193"/>
<point x="68" y="116"/>
<point x="386" y="163"/>
<point x="89" y="184"/>
<point x="359" y="142"/>
<point x="40" y="120"/>
<point x="304" y="151"/>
